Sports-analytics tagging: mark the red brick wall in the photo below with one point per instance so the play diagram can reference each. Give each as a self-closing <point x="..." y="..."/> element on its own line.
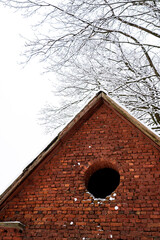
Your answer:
<point x="11" y="234"/>
<point x="54" y="203"/>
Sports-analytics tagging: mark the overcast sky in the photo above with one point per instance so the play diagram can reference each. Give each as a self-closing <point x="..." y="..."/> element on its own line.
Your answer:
<point x="23" y="92"/>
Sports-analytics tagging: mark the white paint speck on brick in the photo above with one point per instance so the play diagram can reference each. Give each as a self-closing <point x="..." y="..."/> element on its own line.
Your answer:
<point x="111" y="198"/>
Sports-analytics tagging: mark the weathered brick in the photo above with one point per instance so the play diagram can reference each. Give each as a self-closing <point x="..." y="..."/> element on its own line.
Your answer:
<point x="54" y="204"/>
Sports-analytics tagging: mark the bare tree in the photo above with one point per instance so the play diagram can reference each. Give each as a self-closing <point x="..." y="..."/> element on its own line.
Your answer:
<point x="97" y="45"/>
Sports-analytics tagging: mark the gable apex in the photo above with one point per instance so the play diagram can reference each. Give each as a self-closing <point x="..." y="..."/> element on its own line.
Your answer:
<point x="80" y="118"/>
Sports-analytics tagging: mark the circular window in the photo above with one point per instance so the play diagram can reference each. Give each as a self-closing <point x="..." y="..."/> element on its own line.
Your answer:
<point x="103" y="182"/>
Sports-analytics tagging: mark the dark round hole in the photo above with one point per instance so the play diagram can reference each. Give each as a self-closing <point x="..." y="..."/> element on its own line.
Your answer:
<point x="103" y="182"/>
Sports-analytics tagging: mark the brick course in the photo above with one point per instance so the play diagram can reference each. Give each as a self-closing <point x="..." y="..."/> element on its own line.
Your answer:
<point x="53" y="201"/>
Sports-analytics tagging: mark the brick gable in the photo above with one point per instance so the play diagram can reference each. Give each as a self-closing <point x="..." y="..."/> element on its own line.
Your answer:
<point x="53" y="202"/>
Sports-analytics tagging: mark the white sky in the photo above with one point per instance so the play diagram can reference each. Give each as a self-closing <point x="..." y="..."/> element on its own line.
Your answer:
<point x="23" y="92"/>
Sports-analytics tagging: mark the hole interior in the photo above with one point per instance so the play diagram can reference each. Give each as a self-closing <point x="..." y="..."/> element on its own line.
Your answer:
<point x="103" y="182"/>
